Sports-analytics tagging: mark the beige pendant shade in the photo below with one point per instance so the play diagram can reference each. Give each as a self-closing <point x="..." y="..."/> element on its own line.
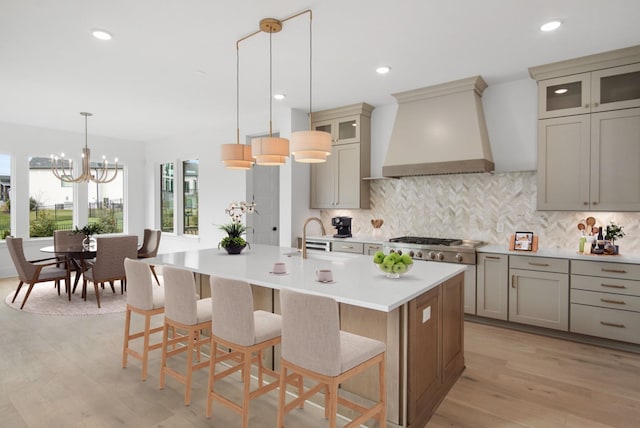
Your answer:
<point x="236" y="156"/>
<point x="270" y="150"/>
<point x="310" y="146"/>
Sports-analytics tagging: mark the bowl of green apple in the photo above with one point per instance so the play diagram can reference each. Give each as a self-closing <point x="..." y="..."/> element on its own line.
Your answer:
<point x="393" y="265"/>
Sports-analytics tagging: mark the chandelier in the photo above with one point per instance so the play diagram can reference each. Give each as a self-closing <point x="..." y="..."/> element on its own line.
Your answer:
<point x="100" y="174"/>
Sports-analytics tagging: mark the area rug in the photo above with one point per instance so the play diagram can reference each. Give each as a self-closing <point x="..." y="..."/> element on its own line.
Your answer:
<point x="44" y="300"/>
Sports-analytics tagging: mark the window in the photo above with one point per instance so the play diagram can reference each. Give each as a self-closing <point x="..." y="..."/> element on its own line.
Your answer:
<point x="190" y="196"/>
<point x="50" y="200"/>
<point x="166" y="197"/>
<point x="5" y="203"/>
<point x="106" y="203"/>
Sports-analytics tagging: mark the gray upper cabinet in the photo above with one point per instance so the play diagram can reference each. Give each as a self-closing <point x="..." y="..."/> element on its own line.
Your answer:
<point x="589" y="133"/>
<point x="338" y="182"/>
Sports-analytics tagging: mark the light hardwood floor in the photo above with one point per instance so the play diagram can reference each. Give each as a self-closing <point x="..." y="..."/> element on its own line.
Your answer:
<point x="65" y="371"/>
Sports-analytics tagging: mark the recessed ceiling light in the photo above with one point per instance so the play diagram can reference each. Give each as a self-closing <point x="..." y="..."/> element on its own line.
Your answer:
<point x="279" y="97"/>
<point x="383" y="70"/>
<point x="550" y="26"/>
<point x="101" y="34"/>
<point x="561" y="91"/>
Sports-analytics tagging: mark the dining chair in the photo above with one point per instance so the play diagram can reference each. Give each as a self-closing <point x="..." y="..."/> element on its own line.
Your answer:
<point x="187" y="315"/>
<point x="63" y="240"/>
<point x="314" y="347"/>
<point x="149" y="248"/>
<point x="33" y="271"/>
<point x="145" y="299"/>
<point x="111" y="251"/>
<point x="247" y="333"/>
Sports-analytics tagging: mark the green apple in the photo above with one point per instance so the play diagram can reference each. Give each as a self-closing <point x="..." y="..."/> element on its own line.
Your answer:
<point x="386" y="268"/>
<point x="399" y="267"/>
<point x="378" y="257"/>
<point x="389" y="260"/>
<point x="406" y="259"/>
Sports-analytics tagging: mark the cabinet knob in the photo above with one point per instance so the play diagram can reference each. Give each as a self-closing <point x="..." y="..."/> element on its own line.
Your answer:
<point x="595" y="104"/>
<point x="586" y="105"/>
<point x="594" y="203"/>
<point x="585" y="203"/>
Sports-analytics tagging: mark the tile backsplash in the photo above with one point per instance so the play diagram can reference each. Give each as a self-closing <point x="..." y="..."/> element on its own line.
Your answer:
<point x="486" y="207"/>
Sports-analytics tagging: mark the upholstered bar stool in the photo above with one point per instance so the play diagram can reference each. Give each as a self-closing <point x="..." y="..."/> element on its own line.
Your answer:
<point x="314" y="347"/>
<point x="188" y="315"/>
<point x="146" y="299"/>
<point x="247" y="333"/>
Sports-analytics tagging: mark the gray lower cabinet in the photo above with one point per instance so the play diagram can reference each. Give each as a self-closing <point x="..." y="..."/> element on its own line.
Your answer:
<point x="605" y="300"/>
<point x="539" y="291"/>
<point x="492" y="293"/>
<point x="371" y="249"/>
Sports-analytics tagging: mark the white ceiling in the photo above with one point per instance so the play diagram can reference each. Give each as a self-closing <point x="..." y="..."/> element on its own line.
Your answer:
<point x="170" y="67"/>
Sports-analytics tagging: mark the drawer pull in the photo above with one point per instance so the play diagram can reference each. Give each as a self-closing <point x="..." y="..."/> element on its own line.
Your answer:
<point x="610" y="324"/>
<point x="374" y="247"/>
<point x="348" y="247"/>
<point x="615" y="302"/>
<point x="614" y="270"/>
<point x="513" y="281"/>
<point x="493" y="257"/>
<point x="539" y="264"/>
<point x="613" y="286"/>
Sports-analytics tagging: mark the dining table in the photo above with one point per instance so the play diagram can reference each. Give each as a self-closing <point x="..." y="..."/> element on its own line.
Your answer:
<point x="76" y="256"/>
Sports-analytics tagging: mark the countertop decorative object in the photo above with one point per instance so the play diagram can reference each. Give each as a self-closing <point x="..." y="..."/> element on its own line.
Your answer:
<point x="234" y="243"/>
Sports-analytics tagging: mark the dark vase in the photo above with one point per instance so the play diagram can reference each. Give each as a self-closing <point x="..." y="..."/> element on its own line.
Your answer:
<point x="235" y="249"/>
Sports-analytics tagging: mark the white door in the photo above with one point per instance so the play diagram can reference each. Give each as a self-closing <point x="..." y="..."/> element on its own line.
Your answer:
<point x="263" y="188"/>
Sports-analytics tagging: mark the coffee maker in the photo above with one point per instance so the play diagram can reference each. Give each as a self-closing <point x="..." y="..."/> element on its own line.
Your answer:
<point x="343" y="227"/>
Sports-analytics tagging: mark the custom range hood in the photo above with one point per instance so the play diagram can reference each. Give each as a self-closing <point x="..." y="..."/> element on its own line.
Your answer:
<point x="440" y="130"/>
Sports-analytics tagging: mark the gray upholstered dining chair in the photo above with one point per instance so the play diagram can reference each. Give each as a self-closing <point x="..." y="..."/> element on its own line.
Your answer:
<point x="63" y="240"/>
<point x="314" y="347"/>
<point x="33" y="271"/>
<point x="185" y="313"/>
<point x="247" y="333"/>
<point x="146" y="299"/>
<point x="149" y="248"/>
<point x="109" y="264"/>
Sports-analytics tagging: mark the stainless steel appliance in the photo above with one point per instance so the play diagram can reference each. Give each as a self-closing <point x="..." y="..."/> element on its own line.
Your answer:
<point x="343" y="227"/>
<point x="459" y="251"/>
<point x="435" y="249"/>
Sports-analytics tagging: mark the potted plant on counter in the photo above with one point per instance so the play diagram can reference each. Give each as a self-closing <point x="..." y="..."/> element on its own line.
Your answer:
<point x="614" y="232"/>
<point x="234" y="243"/>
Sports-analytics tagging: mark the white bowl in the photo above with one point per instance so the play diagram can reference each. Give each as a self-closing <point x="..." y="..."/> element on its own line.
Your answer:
<point x="393" y="274"/>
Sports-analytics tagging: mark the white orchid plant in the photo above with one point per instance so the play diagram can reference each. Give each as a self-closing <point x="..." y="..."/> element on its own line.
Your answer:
<point x="235" y="229"/>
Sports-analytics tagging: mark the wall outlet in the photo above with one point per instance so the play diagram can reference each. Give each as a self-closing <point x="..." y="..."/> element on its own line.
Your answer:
<point x="426" y="314"/>
<point x="500" y="227"/>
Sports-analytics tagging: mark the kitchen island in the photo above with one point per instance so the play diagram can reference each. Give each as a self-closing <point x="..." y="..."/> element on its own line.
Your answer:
<point x="419" y="316"/>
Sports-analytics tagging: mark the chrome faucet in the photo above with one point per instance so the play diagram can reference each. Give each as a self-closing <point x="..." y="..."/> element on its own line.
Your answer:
<point x="304" y="234"/>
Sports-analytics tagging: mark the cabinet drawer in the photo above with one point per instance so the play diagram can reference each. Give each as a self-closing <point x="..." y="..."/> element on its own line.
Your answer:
<point x="606" y="300"/>
<point x="371" y="249"/>
<point x="606" y="269"/>
<point x="608" y="323"/>
<point x="348" y="247"/>
<point x="544" y="264"/>
<point x="606" y="285"/>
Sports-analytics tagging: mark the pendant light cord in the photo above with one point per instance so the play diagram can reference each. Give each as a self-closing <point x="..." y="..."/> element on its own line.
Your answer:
<point x="270" y="82"/>
<point x="310" y="68"/>
<point x="237" y="94"/>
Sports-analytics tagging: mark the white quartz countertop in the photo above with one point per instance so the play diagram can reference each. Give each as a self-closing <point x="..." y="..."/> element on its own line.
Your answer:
<point x="561" y="253"/>
<point x="356" y="280"/>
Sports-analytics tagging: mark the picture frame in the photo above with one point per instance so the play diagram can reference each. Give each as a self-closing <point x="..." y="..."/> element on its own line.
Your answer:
<point x="523" y="241"/>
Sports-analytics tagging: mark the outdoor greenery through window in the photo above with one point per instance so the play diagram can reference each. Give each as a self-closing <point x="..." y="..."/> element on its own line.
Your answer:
<point x="5" y="203"/>
<point x="166" y="197"/>
<point x="50" y="200"/>
<point x="106" y="203"/>
<point x="190" y="196"/>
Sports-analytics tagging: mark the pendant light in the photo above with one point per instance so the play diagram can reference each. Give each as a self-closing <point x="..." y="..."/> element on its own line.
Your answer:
<point x="310" y="146"/>
<point x="100" y="174"/>
<point x="237" y="156"/>
<point x="270" y="150"/>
